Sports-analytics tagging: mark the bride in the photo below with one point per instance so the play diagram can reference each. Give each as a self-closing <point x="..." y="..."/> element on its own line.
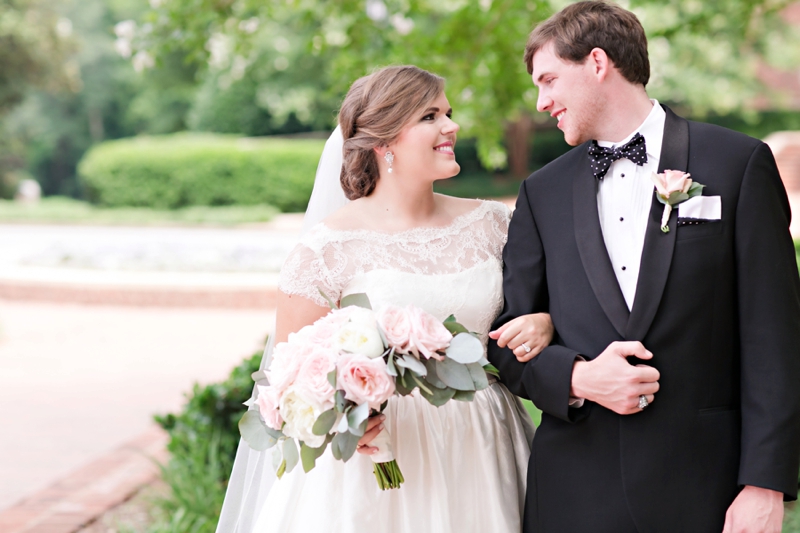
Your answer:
<point x="397" y="241"/>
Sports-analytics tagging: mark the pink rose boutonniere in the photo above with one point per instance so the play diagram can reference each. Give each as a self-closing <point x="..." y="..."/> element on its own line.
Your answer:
<point x="672" y="188"/>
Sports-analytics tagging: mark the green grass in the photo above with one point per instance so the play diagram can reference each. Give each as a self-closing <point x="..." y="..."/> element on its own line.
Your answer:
<point x="62" y="210"/>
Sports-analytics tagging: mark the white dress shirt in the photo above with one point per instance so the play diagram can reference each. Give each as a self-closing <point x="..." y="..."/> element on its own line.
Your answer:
<point x="624" y="196"/>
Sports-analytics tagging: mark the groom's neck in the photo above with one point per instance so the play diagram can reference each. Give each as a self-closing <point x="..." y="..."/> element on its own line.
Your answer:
<point x="625" y="109"/>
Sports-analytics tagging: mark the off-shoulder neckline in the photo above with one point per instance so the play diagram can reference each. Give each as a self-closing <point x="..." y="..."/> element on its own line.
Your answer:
<point x="458" y="223"/>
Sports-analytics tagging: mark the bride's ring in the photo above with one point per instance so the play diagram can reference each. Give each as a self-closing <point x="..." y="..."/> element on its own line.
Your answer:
<point x="643" y="403"/>
<point x="525" y="347"/>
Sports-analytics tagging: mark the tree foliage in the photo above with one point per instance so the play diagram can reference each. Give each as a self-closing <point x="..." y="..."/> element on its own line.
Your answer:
<point x="704" y="54"/>
<point x="34" y="45"/>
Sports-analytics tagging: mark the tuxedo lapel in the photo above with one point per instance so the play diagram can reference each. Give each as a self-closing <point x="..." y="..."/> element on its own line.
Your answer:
<point x="658" y="246"/>
<point x="592" y="248"/>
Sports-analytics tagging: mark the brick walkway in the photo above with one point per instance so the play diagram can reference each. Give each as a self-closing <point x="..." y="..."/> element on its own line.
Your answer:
<point x="76" y="500"/>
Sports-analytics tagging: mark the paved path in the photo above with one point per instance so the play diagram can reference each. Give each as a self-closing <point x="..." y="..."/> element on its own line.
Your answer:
<point x="78" y="381"/>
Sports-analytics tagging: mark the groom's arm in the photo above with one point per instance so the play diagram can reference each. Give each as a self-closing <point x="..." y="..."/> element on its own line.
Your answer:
<point x="545" y="380"/>
<point x="769" y="330"/>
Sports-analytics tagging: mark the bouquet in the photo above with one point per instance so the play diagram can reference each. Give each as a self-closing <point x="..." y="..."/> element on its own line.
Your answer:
<point x="327" y="379"/>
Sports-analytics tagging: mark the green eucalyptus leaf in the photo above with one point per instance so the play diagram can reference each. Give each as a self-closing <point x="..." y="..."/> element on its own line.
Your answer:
<point x="483" y="361"/>
<point x="339" y="401"/>
<point x="358" y="299"/>
<point x="281" y="469"/>
<point x="455" y="328"/>
<point x="403" y="388"/>
<point x="324" y="422"/>
<point x="454" y="374"/>
<point x="438" y="397"/>
<point x="412" y="363"/>
<point x="258" y="375"/>
<point x="465" y="349"/>
<point x="346" y="444"/>
<point x="337" y="453"/>
<point x="451" y="318"/>
<point x="356" y="416"/>
<point x="290" y="454"/>
<point x="478" y="375"/>
<point x="331" y="303"/>
<point x="421" y="383"/>
<point x="432" y="379"/>
<point x="464" y="395"/>
<point x="390" y="368"/>
<point x="309" y="455"/>
<point x="332" y="378"/>
<point x="254" y="432"/>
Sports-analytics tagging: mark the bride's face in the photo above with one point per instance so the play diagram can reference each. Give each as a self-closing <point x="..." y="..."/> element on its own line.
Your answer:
<point x="425" y="145"/>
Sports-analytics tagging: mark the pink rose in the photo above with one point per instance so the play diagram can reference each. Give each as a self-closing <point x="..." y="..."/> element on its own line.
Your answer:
<point x="427" y="334"/>
<point x="312" y="378"/>
<point x="268" y="405"/>
<point x="671" y="181"/>
<point x="287" y="358"/>
<point x="364" y="380"/>
<point x="395" y="323"/>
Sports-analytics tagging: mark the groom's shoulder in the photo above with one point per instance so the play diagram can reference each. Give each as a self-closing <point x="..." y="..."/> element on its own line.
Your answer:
<point x="703" y="132"/>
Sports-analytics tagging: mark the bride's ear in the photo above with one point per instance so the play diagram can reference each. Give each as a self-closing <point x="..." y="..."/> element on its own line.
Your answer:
<point x="380" y="151"/>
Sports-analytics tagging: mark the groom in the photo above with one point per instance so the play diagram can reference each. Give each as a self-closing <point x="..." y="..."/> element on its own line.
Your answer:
<point x="671" y="392"/>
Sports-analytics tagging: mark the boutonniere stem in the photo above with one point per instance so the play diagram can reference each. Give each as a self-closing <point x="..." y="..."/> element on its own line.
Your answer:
<point x="672" y="188"/>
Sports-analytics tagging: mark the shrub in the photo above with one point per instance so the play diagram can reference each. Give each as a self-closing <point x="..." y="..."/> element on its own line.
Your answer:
<point x="203" y="441"/>
<point x="172" y="171"/>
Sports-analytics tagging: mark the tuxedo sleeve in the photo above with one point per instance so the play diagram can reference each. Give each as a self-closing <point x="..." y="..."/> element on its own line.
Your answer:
<point x="769" y="315"/>
<point x="546" y="379"/>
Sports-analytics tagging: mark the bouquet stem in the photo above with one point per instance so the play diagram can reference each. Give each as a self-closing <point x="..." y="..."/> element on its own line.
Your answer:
<point x="388" y="475"/>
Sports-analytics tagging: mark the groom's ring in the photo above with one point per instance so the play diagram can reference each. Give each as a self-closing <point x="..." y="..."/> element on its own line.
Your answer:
<point x="525" y="347"/>
<point x="643" y="403"/>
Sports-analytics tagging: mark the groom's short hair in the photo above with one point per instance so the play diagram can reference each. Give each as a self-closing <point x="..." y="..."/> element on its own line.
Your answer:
<point x="580" y="27"/>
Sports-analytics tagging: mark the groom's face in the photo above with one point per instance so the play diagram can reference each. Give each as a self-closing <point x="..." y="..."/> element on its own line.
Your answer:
<point x="570" y="92"/>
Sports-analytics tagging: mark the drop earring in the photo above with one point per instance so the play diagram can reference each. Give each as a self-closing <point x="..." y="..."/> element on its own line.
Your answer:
<point x="389" y="157"/>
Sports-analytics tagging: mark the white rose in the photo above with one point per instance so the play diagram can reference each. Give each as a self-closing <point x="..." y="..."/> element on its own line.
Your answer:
<point x="300" y="414"/>
<point x="360" y="338"/>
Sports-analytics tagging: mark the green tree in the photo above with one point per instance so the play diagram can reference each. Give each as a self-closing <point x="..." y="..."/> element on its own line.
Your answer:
<point x="704" y="53"/>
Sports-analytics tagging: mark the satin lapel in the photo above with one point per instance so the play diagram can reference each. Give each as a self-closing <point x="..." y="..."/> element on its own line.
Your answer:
<point x="658" y="246"/>
<point x="592" y="249"/>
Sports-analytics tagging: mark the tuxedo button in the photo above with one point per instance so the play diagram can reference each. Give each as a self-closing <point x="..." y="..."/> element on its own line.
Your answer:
<point x="621" y="219"/>
<point x="622" y="175"/>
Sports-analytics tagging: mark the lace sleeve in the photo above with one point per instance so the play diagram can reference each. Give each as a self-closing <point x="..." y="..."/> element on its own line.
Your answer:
<point x="305" y="273"/>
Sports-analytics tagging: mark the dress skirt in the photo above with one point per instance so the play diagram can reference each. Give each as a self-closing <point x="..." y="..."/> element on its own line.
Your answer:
<point x="464" y="465"/>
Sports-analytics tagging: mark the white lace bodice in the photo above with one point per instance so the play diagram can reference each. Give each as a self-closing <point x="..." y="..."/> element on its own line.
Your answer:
<point x="454" y="269"/>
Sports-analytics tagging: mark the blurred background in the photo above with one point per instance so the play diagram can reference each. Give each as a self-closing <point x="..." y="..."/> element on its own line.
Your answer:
<point x="156" y="158"/>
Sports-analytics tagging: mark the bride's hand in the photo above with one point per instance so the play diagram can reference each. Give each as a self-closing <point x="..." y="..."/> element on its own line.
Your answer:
<point x="374" y="426"/>
<point x="532" y="331"/>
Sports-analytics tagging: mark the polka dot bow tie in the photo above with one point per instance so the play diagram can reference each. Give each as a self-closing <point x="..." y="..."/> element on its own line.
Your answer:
<point x="600" y="158"/>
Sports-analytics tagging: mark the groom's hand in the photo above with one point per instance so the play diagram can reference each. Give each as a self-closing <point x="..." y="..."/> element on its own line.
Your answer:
<point x="755" y="510"/>
<point x="612" y="382"/>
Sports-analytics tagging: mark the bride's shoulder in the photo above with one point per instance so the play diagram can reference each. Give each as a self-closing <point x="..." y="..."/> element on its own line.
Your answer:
<point x="347" y="218"/>
<point x="475" y="210"/>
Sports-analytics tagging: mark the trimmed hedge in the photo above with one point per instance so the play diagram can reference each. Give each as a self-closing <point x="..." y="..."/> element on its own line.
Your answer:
<point x="172" y="171"/>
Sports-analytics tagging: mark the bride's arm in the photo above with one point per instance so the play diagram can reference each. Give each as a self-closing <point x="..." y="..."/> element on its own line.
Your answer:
<point x="295" y="312"/>
<point x="534" y="331"/>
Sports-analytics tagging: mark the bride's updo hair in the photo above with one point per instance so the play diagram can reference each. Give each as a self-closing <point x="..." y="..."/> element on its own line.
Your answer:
<point x="373" y="114"/>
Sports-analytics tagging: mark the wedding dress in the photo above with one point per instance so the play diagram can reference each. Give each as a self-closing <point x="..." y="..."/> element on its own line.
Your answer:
<point x="464" y="463"/>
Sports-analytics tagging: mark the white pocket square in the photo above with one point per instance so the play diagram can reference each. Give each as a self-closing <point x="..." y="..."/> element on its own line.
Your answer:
<point x="701" y="207"/>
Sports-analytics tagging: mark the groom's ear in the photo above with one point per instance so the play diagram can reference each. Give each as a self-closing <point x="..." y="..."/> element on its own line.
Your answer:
<point x="599" y="63"/>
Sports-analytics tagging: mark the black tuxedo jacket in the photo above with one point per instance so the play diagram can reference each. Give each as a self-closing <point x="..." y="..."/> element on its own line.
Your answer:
<point x="717" y="303"/>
